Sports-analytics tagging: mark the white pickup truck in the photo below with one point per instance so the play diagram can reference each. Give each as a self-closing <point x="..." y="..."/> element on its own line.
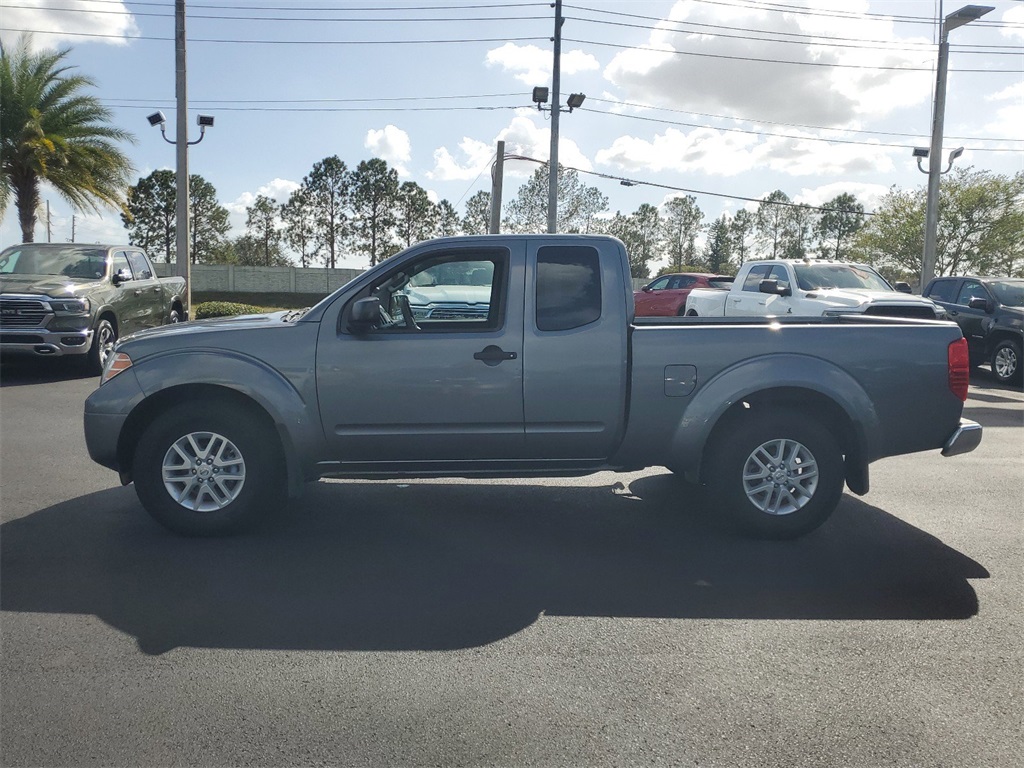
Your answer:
<point x="809" y="289"/>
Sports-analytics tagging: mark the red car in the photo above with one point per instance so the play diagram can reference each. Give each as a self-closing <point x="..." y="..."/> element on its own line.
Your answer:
<point x="666" y="295"/>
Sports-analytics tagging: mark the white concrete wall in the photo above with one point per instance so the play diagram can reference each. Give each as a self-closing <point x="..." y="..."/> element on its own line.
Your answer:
<point x="232" y="277"/>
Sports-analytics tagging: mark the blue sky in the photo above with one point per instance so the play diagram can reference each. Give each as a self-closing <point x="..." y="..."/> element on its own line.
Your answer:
<point x="733" y="97"/>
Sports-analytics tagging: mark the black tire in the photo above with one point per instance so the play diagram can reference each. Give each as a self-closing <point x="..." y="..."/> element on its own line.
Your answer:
<point x="103" y="338"/>
<point x="781" y="505"/>
<point x="1006" y="362"/>
<point x="214" y="500"/>
<point x="692" y="313"/>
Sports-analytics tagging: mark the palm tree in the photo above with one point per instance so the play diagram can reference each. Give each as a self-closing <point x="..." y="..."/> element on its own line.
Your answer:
<point x="51" y="131"/>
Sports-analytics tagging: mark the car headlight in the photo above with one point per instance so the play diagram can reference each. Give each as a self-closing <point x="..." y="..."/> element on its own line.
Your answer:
<point x="116" y="363"/>
<point x="70" y="306"/>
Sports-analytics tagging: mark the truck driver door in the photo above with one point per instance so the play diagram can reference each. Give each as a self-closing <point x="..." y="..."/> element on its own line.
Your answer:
<point x="439" y="374"/>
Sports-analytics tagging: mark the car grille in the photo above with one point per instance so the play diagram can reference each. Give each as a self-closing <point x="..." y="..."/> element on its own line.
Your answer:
<point x="921" y="313"/>
<point x="22" y="313"/>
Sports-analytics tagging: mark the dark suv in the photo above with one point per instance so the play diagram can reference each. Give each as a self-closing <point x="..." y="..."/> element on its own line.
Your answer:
<point x="990" y="312"/>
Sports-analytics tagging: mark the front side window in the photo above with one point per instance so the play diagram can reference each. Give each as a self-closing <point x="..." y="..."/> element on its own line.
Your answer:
<point x="444" y="292"/>
<point x="568" y="287"/>
<point x="660" y="284"/>
<point x="139" y="266"/>
<point x="754" y="277"/>
<point x="121" y="263"/>
<point x="971" y="289"/>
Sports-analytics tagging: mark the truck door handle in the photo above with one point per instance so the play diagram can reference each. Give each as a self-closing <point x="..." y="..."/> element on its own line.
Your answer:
<point x="138" y="292"/>
<point x="493" y="355"/>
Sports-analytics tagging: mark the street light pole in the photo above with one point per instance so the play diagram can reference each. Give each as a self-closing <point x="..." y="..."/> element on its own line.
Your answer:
<point x="183" y="262"/>
<point x="958" y="18"/>
<point x="556" y="76"/>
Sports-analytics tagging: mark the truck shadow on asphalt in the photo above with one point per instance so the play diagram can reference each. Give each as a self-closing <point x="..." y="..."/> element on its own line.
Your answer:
<point x="427" y="566"/>
<point x="19" y="372"/>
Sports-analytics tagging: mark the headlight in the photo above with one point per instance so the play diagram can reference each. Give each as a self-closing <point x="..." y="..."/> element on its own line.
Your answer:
<point x="115" y="364"/>
<point x="70" y="306"/>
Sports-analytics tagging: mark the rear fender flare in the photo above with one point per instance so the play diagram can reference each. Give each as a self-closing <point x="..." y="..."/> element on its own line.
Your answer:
<point x="777" y="372"/>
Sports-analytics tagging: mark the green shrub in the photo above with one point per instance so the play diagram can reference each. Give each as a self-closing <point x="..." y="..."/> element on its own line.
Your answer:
<point x="225" y="309"/>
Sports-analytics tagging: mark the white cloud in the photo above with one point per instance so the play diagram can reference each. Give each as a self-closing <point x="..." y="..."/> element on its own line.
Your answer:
<point x="523" y="136"/>
<point x="1009" y="115"/>
<point x="278" y="190"/>
<point x="868" y="195"/>
<point x="113" y="20"/>
<point x="691" y="68"/>
<point x="1014" y="21"/>
<point x="723" y="153"/>
<point x="391" y="144"/>
<point x="532" y="65"/>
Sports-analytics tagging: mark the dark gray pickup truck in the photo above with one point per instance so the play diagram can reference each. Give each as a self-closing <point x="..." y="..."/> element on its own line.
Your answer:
<point x="76" y="299"/>
<point x="215" y="420"/>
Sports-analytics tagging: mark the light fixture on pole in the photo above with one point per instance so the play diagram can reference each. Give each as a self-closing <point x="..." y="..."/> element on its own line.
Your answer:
<point x="957" y="18"/>
<point x="203" y="121"/>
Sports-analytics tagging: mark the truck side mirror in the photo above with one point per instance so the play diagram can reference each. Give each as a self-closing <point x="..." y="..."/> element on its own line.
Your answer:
<point x="775" y="287"/>
<point x="903" y="287"/>
<point x="121" y="276"/>
<point x="979" y="302"/>
<point x="647" y="289"/>
<point x="364" y="315"/>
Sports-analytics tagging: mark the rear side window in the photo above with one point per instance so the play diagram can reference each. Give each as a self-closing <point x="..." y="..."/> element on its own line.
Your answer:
<point x="568" y="287"/>
<point x="942" y="290"/>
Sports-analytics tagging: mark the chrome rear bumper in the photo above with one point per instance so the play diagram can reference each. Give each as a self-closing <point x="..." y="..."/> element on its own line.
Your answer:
<point x="965" y="439"/>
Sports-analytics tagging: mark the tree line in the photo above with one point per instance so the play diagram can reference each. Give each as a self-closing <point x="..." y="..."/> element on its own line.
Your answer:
<point x="53" y="131"/>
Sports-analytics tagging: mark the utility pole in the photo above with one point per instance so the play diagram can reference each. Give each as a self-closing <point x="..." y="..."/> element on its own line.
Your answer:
<point x="183" y="262"/>
<point x="48" y="222"/>
<point x="556" y="77"/>
<point x="497" y="177"/>
<point x="72" y="228"/>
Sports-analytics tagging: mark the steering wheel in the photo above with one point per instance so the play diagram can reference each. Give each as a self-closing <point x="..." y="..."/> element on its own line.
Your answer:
<point x="410" y="321"/>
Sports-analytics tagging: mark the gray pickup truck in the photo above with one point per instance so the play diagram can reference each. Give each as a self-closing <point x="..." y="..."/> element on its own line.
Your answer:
<point x="76" y="299"/>
<point x="215" y="421"/>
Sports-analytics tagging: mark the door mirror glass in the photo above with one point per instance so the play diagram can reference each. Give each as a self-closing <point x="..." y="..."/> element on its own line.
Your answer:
<point x="979" y="303"/>
<point x="774" y="287"/>
<point x="121" y="276"/>
<point x="903" y="287"/>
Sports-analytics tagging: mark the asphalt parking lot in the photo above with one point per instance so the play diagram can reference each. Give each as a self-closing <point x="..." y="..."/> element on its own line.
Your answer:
<point x="598" y="621"/>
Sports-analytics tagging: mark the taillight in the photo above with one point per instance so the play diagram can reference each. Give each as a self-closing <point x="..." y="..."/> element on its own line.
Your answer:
<point x="959" y="368"/>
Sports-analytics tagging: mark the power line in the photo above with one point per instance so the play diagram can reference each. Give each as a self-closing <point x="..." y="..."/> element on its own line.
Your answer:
<point x="807" y="40"/>
<point x="332" y="9"/>
<point x="638" y="182"/>
<point x="778" y="61"/>
<point x="282" y="42"/>
<point x="788" y="125"/>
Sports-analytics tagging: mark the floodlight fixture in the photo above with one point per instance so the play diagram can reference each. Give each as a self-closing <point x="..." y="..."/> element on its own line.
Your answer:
<point x="575" y="101"/>
<point x="157" y="118"/>
<point x="955" y="154"/>
<point x="920" y="152"/>
<point x="204" y="121"/>
<point x="540" y="95"/>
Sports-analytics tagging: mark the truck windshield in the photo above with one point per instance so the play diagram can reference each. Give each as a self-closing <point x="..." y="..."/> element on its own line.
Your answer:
<point x="74" y="262"/>
<point x="1009" y="292"/>
<point x="813" y="277"/>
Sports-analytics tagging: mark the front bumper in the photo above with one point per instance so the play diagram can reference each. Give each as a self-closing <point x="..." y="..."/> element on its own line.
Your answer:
<point x="965" y="439"/>
<point x="41" y="342"/>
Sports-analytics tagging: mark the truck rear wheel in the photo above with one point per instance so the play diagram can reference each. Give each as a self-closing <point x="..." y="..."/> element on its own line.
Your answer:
<point x="1006" y="362"/>
<point x="776" y="476"/>
<point x="208" y="469"/>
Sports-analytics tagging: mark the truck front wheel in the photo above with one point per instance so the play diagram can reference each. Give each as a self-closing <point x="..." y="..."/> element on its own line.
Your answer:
<point x="208" y="469"/>
<point x="776" y="476"/>
<point x="103" y="339"/>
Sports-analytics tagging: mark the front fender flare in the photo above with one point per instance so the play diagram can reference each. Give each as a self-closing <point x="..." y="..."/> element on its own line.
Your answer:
<point x="295" y="418"/>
